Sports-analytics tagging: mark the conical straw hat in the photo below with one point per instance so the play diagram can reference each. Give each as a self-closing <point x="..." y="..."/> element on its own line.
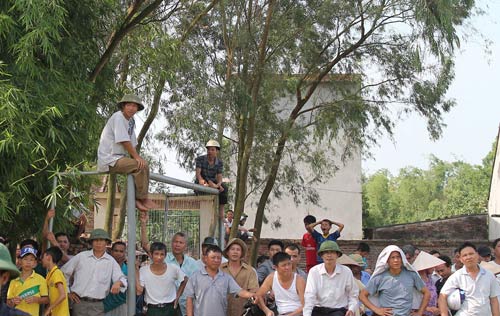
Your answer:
<point x="425" y="261"/>
<point x="346" y="260"/>
<point x="493" y="268"/>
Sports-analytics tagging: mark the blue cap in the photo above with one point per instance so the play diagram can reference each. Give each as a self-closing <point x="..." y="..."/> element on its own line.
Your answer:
<point x="28" y="251"/>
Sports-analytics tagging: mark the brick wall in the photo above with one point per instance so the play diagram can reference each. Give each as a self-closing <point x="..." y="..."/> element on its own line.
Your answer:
<point x="465" y="227"/>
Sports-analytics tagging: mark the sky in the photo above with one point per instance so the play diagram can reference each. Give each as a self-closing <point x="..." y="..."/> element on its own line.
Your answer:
<point x="472" y="125"/>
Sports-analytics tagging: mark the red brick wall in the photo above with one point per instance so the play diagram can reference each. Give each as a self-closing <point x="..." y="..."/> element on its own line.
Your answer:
<point x="465" y="227"/>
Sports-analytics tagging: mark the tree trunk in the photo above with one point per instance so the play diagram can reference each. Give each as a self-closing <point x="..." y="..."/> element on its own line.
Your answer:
<point x="110" y="203"/>
<point x="117" y="233"/>
<point x="259" y="215"/>
<point x="243" y="162"/>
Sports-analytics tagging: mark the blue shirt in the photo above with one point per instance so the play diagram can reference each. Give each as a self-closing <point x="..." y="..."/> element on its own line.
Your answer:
<point x="365" y="277"/>
<point x="189" y="266"/>
<point x="319" y="238"/>
<point x="396" y="291"/>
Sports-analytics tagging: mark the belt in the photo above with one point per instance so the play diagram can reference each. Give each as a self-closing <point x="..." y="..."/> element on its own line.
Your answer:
<point x="162" y="305"/>
<point x="90" y="299"/>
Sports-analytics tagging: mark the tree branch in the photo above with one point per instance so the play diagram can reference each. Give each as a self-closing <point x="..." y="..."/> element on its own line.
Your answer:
<point x="197" y="19"/>
<point x="116" y="37"/>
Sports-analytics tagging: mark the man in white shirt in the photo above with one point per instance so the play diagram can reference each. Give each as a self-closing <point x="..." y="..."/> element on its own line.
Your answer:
<point x="330" y="288"/>
<point x="159" y="282"/>
<point x="92" y="272"/>
<point x="496" y="253"/>
<point x="481" y="289"/>
<point x="117" y="140"/>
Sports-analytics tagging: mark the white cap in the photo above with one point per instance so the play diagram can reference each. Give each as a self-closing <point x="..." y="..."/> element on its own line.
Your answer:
<point x="455" y="299"/>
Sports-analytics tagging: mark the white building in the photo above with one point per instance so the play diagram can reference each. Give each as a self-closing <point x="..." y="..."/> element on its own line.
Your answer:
<point x="340" y="196"/>
<point x="494" y="198"/>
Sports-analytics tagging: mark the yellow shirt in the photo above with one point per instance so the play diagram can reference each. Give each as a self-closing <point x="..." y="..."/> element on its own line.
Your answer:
<point x="54" y="277"/>
<point x="34" y="285"/>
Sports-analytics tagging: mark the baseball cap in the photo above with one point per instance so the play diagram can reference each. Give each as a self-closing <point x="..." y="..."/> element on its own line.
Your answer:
<point x="484" y="251"/>
<point x="210" y="241"/>
<point x="28" y="251"/>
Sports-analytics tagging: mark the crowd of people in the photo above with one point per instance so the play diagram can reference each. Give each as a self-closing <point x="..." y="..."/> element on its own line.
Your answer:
<point x="404" y="281"/>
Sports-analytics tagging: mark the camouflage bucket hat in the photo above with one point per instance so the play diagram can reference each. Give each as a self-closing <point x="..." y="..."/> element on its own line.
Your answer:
<point x="99" y="233"/>
<point x="329" y="245"/>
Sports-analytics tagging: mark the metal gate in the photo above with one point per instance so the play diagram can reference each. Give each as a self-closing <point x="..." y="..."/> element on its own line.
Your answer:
<point x="162" y="225"/>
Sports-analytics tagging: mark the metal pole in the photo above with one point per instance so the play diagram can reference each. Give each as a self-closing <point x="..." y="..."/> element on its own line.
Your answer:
<point x="165" y="220"/>
<point x="52" y="205"/>
<point x="131" y="222"/>
<point x="222" y="229"/>
<point x="182" y="183"/>
<point x="160" y="178"/>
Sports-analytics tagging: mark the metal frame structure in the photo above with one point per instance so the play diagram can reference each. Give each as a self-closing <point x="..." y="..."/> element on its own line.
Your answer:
<point x="131" y="221"/>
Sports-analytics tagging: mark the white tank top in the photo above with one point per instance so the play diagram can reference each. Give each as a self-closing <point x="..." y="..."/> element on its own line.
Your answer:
<point x="287" y="300"/>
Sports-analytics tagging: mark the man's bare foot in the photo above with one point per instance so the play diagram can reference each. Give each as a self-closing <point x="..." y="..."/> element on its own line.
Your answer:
<point x="149" y="204"/>
<point x="140" y="206"/>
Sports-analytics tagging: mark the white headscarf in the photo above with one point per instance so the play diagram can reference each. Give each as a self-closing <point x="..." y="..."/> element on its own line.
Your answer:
<point x="383" y="257"/>
<point x="382" y="266"/>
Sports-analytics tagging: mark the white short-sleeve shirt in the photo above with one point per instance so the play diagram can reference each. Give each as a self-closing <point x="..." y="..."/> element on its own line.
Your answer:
<point x="116" y="130"/>
<point x="160" y="289"/>
<point x="477" y="292"/>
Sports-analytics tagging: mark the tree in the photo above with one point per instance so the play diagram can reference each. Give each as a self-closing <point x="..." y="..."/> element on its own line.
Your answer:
<point x="378" y="199"/>
<point x="445" y="189"/>
<point x="49" y="115"/>
<point x="467" y="190"/>
<point x="63" y="65"/>
<point x="256" y="52"/>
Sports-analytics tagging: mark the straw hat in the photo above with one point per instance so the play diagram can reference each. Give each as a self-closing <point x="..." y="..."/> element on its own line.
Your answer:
<point x="239" y="242"/>
<point x="347" y="261"/>
<point x="426" y="261"/>
<point x="492" y="267"/>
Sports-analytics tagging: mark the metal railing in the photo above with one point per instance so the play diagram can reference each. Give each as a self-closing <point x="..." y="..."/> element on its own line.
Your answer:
<point x="131" y="220"/>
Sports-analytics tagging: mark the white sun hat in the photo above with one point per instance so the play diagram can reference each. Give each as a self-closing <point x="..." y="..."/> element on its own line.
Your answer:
<point x="455" y="299"/>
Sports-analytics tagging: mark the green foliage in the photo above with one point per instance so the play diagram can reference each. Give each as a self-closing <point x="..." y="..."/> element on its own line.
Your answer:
<point x="445" y="189"/>
<point x="385" y="52"/>
<point x="49" y="118"/>
<point x="62" y="68"/>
